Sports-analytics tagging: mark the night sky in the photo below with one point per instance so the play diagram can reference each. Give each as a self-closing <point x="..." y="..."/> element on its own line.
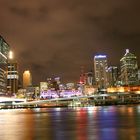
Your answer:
<point x="58" y="37"/>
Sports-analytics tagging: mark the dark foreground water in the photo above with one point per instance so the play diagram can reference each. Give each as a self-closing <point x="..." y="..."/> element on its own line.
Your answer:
<point x="91" y="123"/>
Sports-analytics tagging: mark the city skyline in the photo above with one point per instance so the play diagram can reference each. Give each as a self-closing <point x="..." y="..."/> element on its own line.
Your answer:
<point x="59" y="37"/>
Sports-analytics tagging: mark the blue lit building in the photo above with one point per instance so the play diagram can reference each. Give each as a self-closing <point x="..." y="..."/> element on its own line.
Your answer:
<point x="100" y="69"/>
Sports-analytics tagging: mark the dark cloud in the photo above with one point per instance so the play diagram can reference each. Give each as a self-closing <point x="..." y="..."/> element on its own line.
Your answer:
<point x="58" y="37"/>
<point x="39" y="14"/>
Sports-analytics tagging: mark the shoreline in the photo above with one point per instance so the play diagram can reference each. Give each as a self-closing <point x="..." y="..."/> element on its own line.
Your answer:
<point x="66" y="106"/>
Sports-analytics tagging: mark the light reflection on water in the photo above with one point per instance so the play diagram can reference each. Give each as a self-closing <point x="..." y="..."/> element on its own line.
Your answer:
<point x="88" y="123"/>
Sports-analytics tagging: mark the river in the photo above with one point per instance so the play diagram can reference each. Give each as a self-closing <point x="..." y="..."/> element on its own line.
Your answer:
<point x="87" y="123"/>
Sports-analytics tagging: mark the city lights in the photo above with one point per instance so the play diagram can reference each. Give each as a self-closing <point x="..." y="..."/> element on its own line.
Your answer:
<point x="10" y="55"/>
<point x="100" y="56"/>
<point x="92" y="85"/>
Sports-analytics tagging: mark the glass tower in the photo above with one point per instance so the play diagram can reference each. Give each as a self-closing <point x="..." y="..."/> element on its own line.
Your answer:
<point x="4" y="49"/>
<point x="113" y="74"/>
<point x="129" y="69"/>
<point x="12" y="77"/>
<point x="100" y="69"/>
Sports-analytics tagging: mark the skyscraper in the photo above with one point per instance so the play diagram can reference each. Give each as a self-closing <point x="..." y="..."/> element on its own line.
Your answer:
<point x="4" y="49"/>
<point x="129" y="69"/>
<point x="43" y="87"/>
<point x="89" y="78"/>
<point x="100" y="69"/>
<point x="12" y="75"/>
<point x="113" y="74"/>
<point x="27" y="79"/>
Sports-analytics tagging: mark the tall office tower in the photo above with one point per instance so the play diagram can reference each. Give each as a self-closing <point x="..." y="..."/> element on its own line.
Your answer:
<point x="27" y="79"/>
<point x="12" y="75"/>
<point x="89" y="78"/>
<point x="4" y="49"/>
<point x="113" y="74"/>
<point x="100" y="69"/>
<point x="129" y="69"/>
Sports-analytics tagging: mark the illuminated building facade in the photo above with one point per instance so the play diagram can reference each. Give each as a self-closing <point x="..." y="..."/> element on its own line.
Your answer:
<point x="2" y="81"/>
<point x="27" y="79"/>
<point x="4" y="49"/>
<point x="43" y="87"/>
<point x="57" y="79"/>
<point x="129" y="69"/>
<point x="36" y="91"/>
<point x="89" y="78"/>
<point x="12" y="77"/>
<point x="113" y="74"/>
<point x="100" y="69"/>
<point x="70" y="86"/>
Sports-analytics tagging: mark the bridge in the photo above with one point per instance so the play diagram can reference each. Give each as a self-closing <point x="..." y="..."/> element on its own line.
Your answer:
<point x="91" y="100"/>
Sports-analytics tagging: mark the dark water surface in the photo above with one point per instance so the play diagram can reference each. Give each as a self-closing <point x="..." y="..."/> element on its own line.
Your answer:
<point x="91" y="123"/>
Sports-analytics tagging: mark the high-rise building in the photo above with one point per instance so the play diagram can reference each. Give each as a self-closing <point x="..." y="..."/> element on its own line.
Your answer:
<point x="113" y="74"/>
<point x="27" y="79"/>
<point x="129" y="69"/>
<point x="89" y="78"/>
<point x="12" y="75"/>
<point x="100" y="69"/>
<point x="4" y="49"/>
<point x="43" y="87"/>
